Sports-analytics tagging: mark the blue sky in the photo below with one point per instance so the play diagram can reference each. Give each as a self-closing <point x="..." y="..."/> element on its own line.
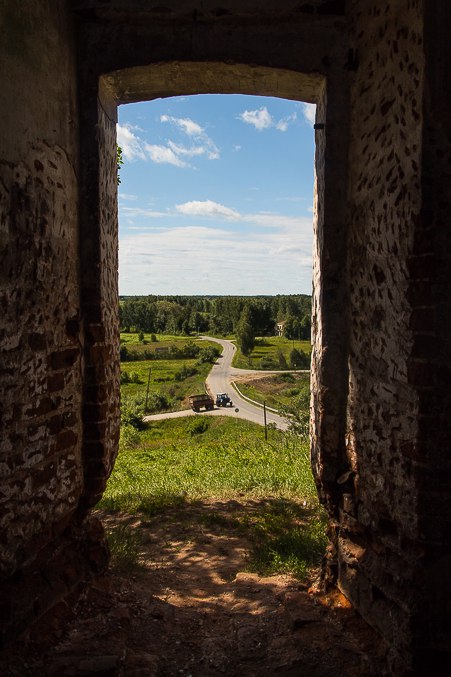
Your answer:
<point x="216" y="196"/>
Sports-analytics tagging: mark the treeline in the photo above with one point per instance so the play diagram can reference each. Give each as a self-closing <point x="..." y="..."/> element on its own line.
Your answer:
<point x="185" y="315"/>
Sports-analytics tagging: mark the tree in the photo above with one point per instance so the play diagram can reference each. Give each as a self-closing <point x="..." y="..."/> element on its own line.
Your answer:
<point x="282" y="360"/>
<point x="306" y="328"/>
<point x="245" y="336"/>
<point x="299" y="359"/>
<point x="291" y="328"/>
<point x="119" y="162"/>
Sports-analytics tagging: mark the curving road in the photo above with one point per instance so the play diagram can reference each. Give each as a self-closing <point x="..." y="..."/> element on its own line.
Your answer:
<point x="220" y="380"/>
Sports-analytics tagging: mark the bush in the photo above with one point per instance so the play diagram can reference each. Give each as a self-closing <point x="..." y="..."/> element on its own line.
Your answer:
<point x="123" y="354"/>
<point x="184" y="372"/>
<point x="153" y="338"/>
<point x="282" y="360"/>
<point x="125" y="377"/>
<point x="268" y="363"/>
<point x="298" y="413"/>
<point x="134" y="377"/>
<point x="130" y="436"/>
<point x="299" y="359"/>
<point x="157" y="402"/>
<point x="132" y="412"/>
<point x="292" y="392"/>
<point x="208" y="354"/>
<point x="288" y="378"/>
<point x="198" y="426"/>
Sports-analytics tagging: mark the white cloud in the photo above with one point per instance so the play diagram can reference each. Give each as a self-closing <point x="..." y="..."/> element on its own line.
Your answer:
<point x="163" y="155"/>
<point x="205" y="145"/>
<point x="197" y="259"/>
<point x="130" y="143"/>
<point x="184" y="124"/>
<point x="283" y="124"/>
<point x="172" y="153"/>
<point x="195" y="151"/>
<point x="261" y="118"/>
<point x="183" y="150"/>
<point x="140" y="211"/>
<point x="207" y="208"/>
<point x="309" y="112"/>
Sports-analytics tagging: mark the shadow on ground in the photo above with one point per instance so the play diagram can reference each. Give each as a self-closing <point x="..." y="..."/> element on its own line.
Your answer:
<point x="185" y="604"/>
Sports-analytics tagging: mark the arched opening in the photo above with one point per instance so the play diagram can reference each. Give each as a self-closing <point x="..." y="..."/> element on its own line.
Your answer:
<point x="380" y="284"/>
<point x="164" y="80"/>
<point x="178" y="78"/>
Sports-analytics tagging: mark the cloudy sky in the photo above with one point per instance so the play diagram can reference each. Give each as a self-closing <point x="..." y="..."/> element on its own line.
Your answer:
<point x="216" y="196"/>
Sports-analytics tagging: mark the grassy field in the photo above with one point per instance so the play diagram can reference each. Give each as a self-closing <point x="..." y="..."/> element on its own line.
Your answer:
<point x="163" y="343"/>
<point x="163" y="381"/>
<point x="169" y="465"/>
<point x="172" y="380"/>
<point x="174" y="463"/>
<point x="207" y="457"/>
<point x="277" y="390"/>
<point x="267" y="351"/>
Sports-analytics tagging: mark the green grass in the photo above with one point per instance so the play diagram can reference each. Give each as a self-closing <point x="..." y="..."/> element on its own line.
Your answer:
<point x="269" y="348"/>
<point x="287" y="537"/>
<point x="162" y="380"/>
<point x="175" y="464"/>
<point x="124" y="544"/>
<point x="163" y="340"/>
<point x="277" y="390"/>
<point x="167" y="464"/>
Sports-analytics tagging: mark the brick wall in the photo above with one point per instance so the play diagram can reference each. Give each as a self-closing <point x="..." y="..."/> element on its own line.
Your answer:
<point x="381" y="283"/>
<point x="377" y="538"/>
<point x="41" y="333"/>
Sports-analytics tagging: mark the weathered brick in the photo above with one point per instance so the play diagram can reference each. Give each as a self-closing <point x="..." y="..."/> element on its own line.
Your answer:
<point x="66" y="439"/>
<point x="61" y="359"/>
<point x="55" y="382"/>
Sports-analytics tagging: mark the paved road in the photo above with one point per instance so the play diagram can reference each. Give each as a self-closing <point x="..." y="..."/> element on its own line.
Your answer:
<point x="220" y="380"/>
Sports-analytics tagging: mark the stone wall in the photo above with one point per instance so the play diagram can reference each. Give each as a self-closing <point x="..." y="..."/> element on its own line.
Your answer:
<point x="430" y="361"/>
<point x="41" y="339"/>
<point x="380" y="545"/>
<point x="380" y="76"/>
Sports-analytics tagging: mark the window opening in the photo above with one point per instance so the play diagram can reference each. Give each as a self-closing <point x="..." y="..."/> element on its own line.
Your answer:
<point x="215" y="214"/>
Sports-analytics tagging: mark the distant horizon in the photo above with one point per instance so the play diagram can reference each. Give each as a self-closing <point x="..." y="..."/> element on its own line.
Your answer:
<point x="216" y="295"/>
<point x="216" y="191"/>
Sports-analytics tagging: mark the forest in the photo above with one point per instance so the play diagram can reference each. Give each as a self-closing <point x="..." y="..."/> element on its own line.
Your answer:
<point x="217" y="315"/>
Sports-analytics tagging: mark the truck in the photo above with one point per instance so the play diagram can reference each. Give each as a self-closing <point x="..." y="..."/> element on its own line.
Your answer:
<point x="223" y="400"/>
<point x="203" y="401"/>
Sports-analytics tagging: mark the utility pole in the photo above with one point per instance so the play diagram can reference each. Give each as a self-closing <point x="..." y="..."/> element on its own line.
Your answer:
<point x="147" y="392"/>
<point x="264" y="417"/>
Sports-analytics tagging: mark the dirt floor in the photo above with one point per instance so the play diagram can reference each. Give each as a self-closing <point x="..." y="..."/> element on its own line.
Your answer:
<point x="190" y="608"/>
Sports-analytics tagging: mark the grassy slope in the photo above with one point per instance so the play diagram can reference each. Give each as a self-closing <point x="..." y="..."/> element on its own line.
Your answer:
<point x="162" y="380"/>
<point x="163" y="371"/>
<point x="175" y="462"/>
<point x="207" y="457"/>
<point x="269" y="347"/>
<point x="275" y="389"/>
